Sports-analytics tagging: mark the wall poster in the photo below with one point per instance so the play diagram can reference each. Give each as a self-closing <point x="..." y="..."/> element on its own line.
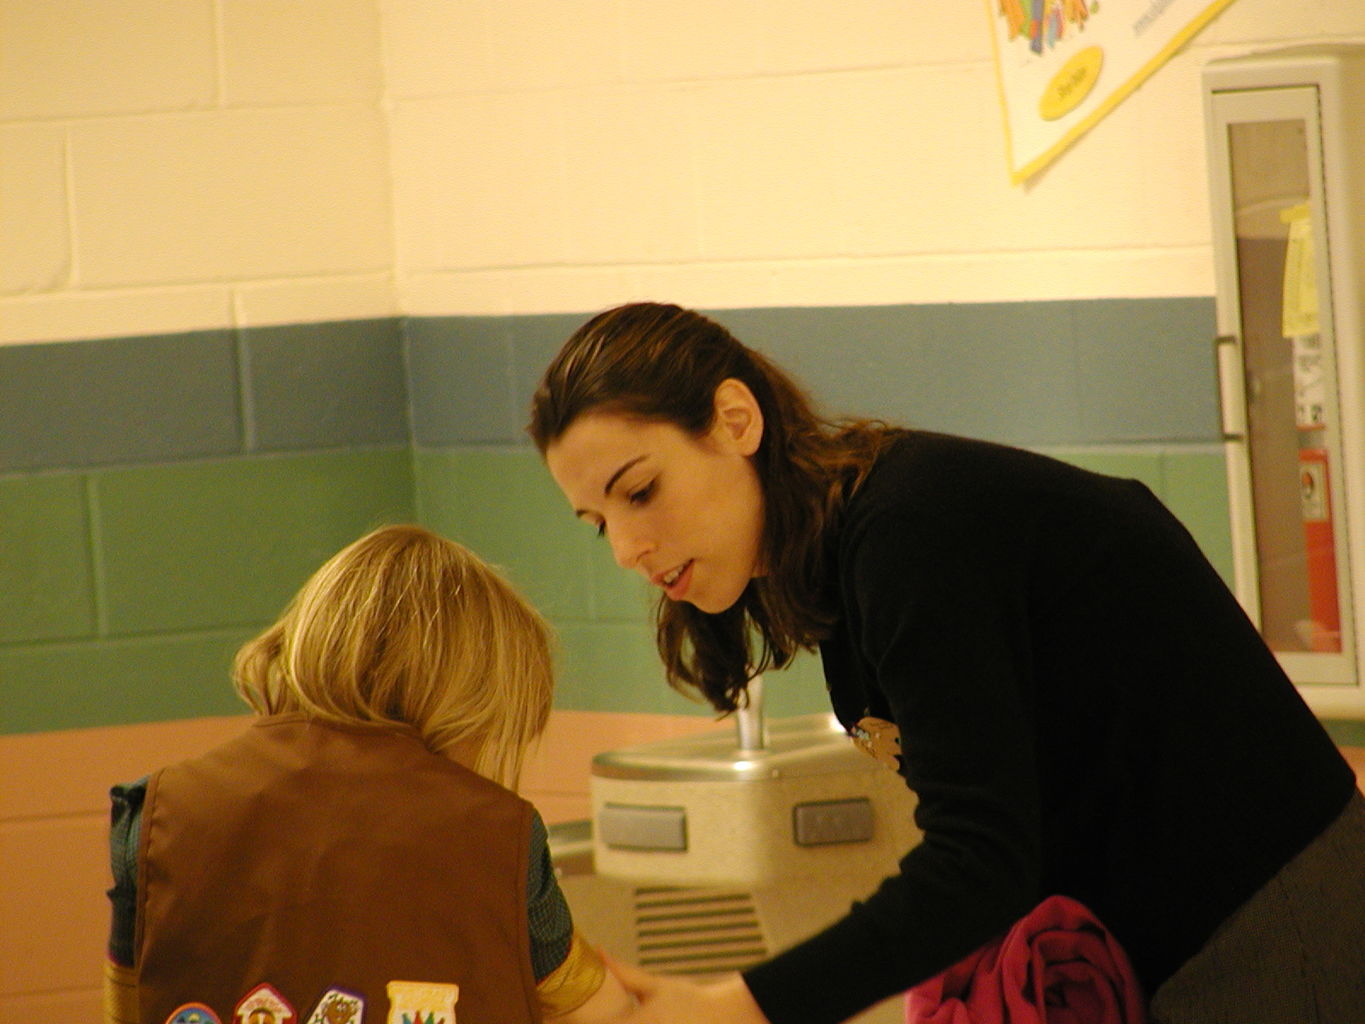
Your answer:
<point x="1062" y="65"/>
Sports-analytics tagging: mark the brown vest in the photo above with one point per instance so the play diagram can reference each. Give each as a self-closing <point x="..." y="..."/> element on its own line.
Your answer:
<point x="310" y="858"/>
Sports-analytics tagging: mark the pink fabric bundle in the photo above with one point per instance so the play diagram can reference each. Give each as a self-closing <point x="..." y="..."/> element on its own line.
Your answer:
<point x="1058" y="965"/>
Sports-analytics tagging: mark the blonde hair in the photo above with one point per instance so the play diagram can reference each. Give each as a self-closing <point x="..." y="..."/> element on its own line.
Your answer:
<point x="404" y="626"/>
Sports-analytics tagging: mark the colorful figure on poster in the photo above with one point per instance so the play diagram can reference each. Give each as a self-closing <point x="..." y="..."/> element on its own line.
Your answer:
<point x="1045" y="23"/>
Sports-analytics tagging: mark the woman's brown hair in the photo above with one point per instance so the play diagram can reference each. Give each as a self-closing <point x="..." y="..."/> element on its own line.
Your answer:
<point x="663" y="363"/>
<point x="406" y="627"/>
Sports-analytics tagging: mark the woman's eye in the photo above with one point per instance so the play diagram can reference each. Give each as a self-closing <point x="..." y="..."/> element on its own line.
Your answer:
<point x="601" y="529"/>
<point x="642" y="495"/>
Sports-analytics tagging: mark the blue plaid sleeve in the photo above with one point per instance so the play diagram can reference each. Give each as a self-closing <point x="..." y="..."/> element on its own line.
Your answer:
<point x="548" y="911"/>
<point x="125" y="821"/>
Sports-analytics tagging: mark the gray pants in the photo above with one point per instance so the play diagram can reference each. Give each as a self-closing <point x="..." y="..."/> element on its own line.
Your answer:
<point x="1292" y="954"/>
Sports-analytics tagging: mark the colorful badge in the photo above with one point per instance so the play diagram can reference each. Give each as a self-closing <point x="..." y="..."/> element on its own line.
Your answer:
<point x="263" y="1005"/>
<point x="193" y="1013"/>
<point x="878" y="738"/>
<point x="422" y="1002"/>
<point x="337" y="1006"/>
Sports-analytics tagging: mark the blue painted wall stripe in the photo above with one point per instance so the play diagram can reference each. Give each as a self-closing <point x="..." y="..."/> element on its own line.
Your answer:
<point x="1040" y="373"/>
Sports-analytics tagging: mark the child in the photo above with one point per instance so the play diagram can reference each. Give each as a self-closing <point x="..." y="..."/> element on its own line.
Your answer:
<point x="359" y="850"/>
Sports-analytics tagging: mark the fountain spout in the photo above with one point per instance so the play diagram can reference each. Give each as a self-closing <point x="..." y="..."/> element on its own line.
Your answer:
<point x="751" y="733"/>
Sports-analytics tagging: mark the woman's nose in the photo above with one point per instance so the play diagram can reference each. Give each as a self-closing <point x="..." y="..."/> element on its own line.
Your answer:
<point x="627" y="547"/>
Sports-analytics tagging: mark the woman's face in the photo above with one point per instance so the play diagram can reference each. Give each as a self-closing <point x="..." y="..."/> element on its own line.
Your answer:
<point x="685" y="512"/>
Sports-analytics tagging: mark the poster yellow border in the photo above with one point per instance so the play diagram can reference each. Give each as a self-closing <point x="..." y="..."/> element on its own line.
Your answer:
<point x="1022" y="174"/>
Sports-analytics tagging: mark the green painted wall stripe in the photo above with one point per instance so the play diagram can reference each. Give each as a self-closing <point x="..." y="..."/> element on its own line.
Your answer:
<point x="118" y="682"/>
<point x="187" y="555"/>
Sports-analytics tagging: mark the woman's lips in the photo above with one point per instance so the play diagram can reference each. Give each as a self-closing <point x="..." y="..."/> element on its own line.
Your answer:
<point x="676" y="581"/>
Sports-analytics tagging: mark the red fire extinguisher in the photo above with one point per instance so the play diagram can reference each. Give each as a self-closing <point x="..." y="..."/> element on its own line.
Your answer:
<point x="1320" y="547"/>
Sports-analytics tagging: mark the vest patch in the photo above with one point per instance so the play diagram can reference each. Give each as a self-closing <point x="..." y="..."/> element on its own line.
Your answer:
<point x="193" y="1013"/>
<point x="422" y="1002"/>
<point x="337" y="1006"/>
<point x="879" y="739"/>
<point x="263" y="1005"/>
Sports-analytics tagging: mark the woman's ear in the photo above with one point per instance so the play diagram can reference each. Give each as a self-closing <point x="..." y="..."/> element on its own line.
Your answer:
<point x="738" y="422"/>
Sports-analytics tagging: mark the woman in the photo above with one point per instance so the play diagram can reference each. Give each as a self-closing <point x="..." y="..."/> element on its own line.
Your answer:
<point x="361" y="843"/>
<point x="1083" y="708"/>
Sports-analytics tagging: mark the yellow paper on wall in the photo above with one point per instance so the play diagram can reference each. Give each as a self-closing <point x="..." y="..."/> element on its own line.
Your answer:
<point x="1299" y="311"/>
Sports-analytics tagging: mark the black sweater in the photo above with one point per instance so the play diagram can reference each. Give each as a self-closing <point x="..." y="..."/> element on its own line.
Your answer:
<point x="1084" y="709"/>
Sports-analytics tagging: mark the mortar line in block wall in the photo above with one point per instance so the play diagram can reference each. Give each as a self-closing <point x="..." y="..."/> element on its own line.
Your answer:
<point x="219" y="57"/>
<point x="246" y="406"/>
<point x="95" y="552"/>
<point x="69" y="187"/>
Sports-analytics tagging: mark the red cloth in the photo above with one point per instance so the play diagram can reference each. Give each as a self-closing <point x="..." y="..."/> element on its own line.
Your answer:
<point x="1058" y="965"/>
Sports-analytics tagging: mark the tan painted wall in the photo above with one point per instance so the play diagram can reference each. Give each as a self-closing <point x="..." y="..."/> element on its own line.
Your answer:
<point x="54" y="816"/>
<point x="54" y="867"/>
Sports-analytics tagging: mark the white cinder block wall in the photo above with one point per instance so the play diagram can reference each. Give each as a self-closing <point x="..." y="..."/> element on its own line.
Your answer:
<point x="212" y="163"/>
<point x="188" y="165"/>
<point x="553" y="156"/>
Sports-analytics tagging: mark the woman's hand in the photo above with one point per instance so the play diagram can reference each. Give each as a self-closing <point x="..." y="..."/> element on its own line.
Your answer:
<point x="665" y="1000"/>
